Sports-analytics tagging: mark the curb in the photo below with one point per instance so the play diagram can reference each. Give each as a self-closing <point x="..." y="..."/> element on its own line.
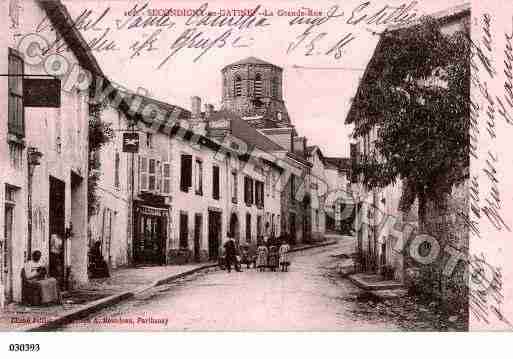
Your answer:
<point x="313" y="246"/>
<point x="373" y="287"/>
<point x="99" y="304"/>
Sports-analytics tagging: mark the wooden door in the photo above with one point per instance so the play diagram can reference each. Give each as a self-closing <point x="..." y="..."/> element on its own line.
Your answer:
<point x="214" y="234"/>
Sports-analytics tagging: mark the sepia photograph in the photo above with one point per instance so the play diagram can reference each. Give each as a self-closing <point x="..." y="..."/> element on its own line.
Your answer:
<point x="173" y="166"/>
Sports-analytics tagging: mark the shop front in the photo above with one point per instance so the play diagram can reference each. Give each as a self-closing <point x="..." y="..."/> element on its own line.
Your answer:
<point x="150" y="234"/>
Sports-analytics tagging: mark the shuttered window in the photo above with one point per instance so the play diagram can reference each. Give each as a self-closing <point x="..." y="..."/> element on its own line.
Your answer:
<point x="292" y="187"/>
<point x="234" y="187"/>
<point x="199" y="177"/>
<point x="259" y="193"/>
<point x="237" y="86"/>
<point x="166" y="178"/>
<point x="258" y="86"/>
<point x="16" y="120"/>
<point x="274" y="87"/>
<point x="215" y="182"/>
<point x="154" y="175"/>
<point x="248" y="190"/>
<point x="143" y="173"/>
<point x="116" y="170"/>
<point x="186" y="173"/>
<point x="251" y="198"/>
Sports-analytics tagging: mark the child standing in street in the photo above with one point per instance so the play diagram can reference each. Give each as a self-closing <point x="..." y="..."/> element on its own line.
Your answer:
<point x="262" y="252"/>
<point x="284" y="256"/>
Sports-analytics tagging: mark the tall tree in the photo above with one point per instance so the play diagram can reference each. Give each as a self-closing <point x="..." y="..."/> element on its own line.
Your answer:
<point x="417" y="93"/>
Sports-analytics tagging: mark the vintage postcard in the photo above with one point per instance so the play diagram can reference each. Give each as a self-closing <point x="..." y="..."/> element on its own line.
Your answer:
<point x="256" y="165"/>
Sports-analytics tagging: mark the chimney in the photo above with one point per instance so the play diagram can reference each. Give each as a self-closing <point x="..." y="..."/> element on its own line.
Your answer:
<point x="299" y="145"/>
<point x="209" y="110"/>
<point x="195" y="106"/>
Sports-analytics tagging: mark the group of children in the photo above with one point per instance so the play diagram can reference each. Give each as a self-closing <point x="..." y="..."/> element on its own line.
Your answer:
<point x="273" y="256"/>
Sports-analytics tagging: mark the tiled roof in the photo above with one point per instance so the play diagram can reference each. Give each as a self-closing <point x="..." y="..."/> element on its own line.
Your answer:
<point x="129" y="97"/>
<point x="240" y="129"/>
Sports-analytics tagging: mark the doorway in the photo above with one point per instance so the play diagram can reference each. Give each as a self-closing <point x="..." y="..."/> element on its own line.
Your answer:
<point x="214" y="234"/>
<point x="149" y="246"/>
<point x="57" y="229"/>
<point x="293" y="233"/>
<point x="198" y="224"/>
<point x="7" y="272"/>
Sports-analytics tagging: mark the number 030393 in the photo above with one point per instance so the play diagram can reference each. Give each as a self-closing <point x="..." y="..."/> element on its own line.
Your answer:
<point x="23" y="347"/>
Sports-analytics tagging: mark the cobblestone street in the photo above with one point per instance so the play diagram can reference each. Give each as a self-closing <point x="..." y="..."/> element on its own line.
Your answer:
<point x="309" y="297"/>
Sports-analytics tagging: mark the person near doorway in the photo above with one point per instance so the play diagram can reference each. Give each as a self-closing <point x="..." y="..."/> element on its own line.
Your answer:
<point x="230" y="252"/>
<point x="56" y="257"/>
<point x="37" y="289"/>
<point x="284" y="256"/>
<point x="98" y="267"/>
<point x="267" y="235"/>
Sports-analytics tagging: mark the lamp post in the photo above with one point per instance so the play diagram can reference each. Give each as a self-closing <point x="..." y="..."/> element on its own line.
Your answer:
<point x="33" y="160"/>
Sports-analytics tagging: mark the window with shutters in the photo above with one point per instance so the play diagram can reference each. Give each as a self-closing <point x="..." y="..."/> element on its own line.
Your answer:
<point x="237" y="86"/>
<point x="259" y="226"/>
<point x="199" y="177"/>
<point x="234" y="186"/>
<point x="154" y="173"/>
<point x="259" y="194"/>
<point x="248" y="227"/>
<point x="292" y="188"/>
<point x="15" y="108"/>
<point x="274" y="87"/>
<point x="186" y="173"/>
<point x="184" y="230"/>
<point x="215" y="182"/>
<point x="251" y="192"/>
<point x="116" y="170"/>
<point x="143" y="173"/>
<point x="248" y="190"/>
<point x="166" y="178"/>
<point x="258" y="91"/>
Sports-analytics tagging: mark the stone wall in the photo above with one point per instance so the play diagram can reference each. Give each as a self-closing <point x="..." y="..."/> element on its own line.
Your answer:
<point x="248" y="103"/>
<point x="447" y="224"/>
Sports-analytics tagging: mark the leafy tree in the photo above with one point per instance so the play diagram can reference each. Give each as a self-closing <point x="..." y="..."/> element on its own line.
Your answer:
<point x="416" y="92"/>
<point x="99" y="134"/>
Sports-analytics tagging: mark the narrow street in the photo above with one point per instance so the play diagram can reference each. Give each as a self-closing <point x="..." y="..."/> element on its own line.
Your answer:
<point x="311" y="296"/>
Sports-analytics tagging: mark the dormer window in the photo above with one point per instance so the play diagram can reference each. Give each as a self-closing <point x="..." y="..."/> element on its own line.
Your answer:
<point x="237" y="86"/>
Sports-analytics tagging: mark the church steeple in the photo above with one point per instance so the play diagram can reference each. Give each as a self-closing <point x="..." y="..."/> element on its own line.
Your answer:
<point x="252" y="88"/>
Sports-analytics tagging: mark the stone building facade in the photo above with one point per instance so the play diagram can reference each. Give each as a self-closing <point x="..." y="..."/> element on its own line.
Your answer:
<point x="43" y="155"/>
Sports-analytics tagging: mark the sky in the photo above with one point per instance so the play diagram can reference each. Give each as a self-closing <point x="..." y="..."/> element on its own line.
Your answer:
<point x="317" y="84"/>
